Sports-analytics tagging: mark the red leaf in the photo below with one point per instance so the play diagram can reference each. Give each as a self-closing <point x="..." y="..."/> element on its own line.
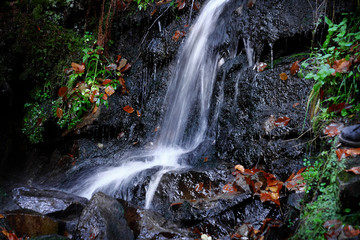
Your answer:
<point x="78" y="68"/>
<point x="230" y="188"/>
<point x="109" y="90"/>
<point x="296" y="182"/>
<point x="118" y="59"/>
<point x="333" y="129"/>
<point x="341" y="153"/>
<point x="128" y="109"/>
<point x="105" y="97"/>
<point x="349" y="231"/>
<point x="282" y="121"/>
<point x="62" y="91"/>
<point x="283" y="76"/>
<point x="337" y="108"/>
<point x="176" y="35"/>
<point x="355" y="170"/>
<point x="295" y="67"/>
<point x="181" y="4"/>
<point x="199" y="186"/>
<point x="59" y="112"/>
<point x="270" y="196"/>
<point x="106" y="81"/>
<point x="153" y="12"/>
<point x="127" y="67"/>
<point x="196" y="6"/>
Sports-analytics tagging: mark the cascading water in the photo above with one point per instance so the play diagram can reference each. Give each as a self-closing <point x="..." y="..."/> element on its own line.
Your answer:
<point x="185" y="122"/>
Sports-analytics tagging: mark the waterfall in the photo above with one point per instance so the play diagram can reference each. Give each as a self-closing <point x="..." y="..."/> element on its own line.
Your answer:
<point x="187" y="105"/>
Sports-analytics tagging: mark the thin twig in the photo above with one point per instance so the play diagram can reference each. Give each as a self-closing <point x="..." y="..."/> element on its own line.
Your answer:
<point x="293" y="139"/>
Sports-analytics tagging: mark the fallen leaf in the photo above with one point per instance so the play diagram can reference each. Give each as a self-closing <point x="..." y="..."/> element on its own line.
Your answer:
<point x="62" y="91"/>
<point x="350" y="232"/>
<point x="39" y="121"/>
<point x="153" y="12"/>
<point x="282" y="121"/>
<point x="295" y="67"/>
<point x="95" y="109"/>
<point x="128" y="109"/>
<point x="270" y="196"/>
<point x="109" y="90"/>
<point x="138" y="113"/>
<point x="355" y="170"/>
<point x="261" y="66"/>
<point x="332" y="224"/>
<point x="337" y="108"/>
<point x="283" y="76"/>
<point x="126" y="67"/>
<point x="333" y="129"/>
<point x="295" y="105"/>
<point x="111" y="67"/>
<point x="59" y="112"/>
<point x="199" y="186"/>
<point x="78" y="68"/>
<point x="229" y="188"/>
<point x="118" y="59"/>
<point x="105" y="97"/>
<point x="341" y="66"/>
<point x="122" y="64"/>
<point x="196" y="6"/>
<point x="1" y="216"/>
<point x="176" y="36"/>
<point x="176" y="203"/>
<point x="296" y="181"/>
<point x="106" y="81"/>
<point x="341" y="153"/>
<point x="181" y="4"/>
<point x="206" y="159"/>
<point x="353" y="151"/>
<point x="240" y="168"/>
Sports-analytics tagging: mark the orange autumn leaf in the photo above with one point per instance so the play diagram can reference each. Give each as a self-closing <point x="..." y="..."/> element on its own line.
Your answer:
<point x="109" y="90"/>
<point x="118" y="59"/>
<point x="138" y="113"/>
<point x="95" y="109"/>
<point x="349" y="231"/>
<point x="1" y="216"/>
<point x="333" y="129"/>
<point x="296" y="181"/>
<point x="353" y="151"/>
<point x="59" y="112"/>
<point x="282" y="121"/>
<point x="261" y="66"/>
<point x="176" y="35"/>
<point x="127" y="67"/>
<point x="78" y="68"/>
<point x="295" y="105"/>
<point x="62" y="91"/>
<point x="206" y="159"/>
<point x="153" y="12"/>
<point x="294" y="67"/>
<point x="270" y="196"/>
<point x="199" y="186"/>
<point x="106" y="81"/>
<point x="105" y="97"/>
<point x="283" y="76"/>
<point x="176" y="203"/>
<point x="355" y="170"/>
<point x="229" y="188"/>
<point x="341" y="66"/>
<point x="128" y="109"/>
<point x="341" y="153"/>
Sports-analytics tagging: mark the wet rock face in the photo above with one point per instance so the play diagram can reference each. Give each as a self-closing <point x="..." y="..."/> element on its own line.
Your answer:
<point x="47" y="201"/>
<point x="247" y="133"/>
<point x="103" y="218"/>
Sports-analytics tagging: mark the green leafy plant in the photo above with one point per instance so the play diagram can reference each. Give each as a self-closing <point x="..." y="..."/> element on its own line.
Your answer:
<point x="335" y="69"/>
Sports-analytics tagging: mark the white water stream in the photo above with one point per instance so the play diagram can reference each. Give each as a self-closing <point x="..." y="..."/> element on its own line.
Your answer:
<point x="186" y="118"/>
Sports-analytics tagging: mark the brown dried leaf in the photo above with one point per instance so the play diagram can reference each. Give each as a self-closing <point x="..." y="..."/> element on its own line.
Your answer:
<point x="78" y="68"/>
<point x="59" y="112"/>
<point x="333" y="129"/>
<point x="62" y="91"/>
<point x="355" y="170"/>
<point x="283" y="76"/>
<point x="295" y="67"/>
<point x="341" y="66"/>
<point x="127" y="67"/>
<point x="109" y="90"/>
<point x="122" y="64"/>
<point x="176" y="35"/>
<point x="128" y="109"/>
<point x="282" y="121"/>
<point x="261" y="66"/>
<point x="95" y="109"/>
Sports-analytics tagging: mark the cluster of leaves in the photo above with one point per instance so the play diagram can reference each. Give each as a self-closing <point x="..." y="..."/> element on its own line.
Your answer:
<point x="89" y="85"/>
<point x="335" y="68"/>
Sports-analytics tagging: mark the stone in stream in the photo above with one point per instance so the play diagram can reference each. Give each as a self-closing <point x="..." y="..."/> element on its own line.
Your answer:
<point x="103" y="218"/>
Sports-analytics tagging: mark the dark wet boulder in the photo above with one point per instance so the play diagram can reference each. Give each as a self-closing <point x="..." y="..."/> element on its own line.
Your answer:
<point x="32" y="224"/>
<point x="103" y="218"/>
<point x="349" y="185"/>
<point x="48" y="201"/>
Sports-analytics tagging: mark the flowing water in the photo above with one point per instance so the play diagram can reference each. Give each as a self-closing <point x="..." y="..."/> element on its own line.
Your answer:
<point x="187" y="105"/>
